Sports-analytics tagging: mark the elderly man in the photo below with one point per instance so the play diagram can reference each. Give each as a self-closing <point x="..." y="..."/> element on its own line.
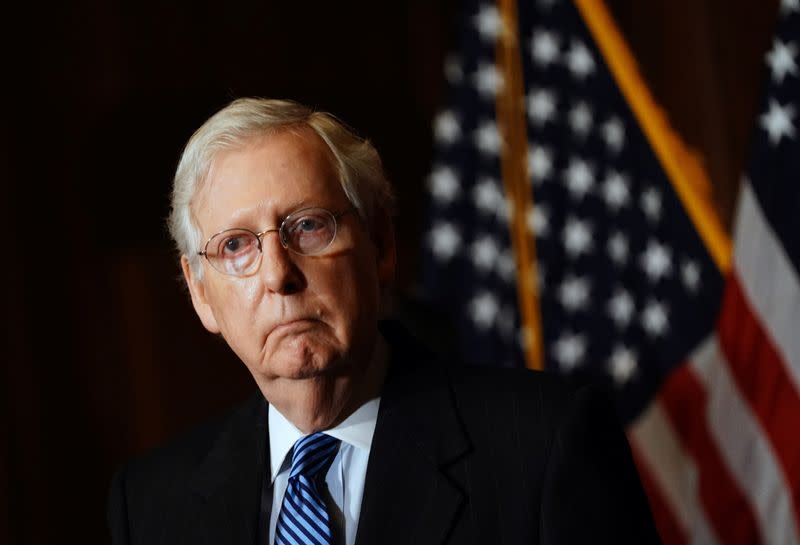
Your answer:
<point x="357" y="435"/>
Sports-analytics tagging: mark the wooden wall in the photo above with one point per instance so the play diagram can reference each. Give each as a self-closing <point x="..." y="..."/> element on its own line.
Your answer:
<point x="104" y="355"/>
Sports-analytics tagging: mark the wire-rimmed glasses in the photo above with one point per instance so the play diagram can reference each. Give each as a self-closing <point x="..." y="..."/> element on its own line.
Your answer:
<point x="237" y="252"/>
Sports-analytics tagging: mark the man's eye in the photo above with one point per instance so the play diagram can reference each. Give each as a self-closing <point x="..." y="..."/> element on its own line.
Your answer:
<point x="309" y="225"/>
<point x="235" y="244"/>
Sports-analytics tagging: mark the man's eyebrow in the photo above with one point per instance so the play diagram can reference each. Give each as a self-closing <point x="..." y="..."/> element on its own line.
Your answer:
<point x="244" y="214"/>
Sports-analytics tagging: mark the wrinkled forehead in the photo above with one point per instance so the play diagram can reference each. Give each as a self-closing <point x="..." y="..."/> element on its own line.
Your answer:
<point x="271" y="174"/>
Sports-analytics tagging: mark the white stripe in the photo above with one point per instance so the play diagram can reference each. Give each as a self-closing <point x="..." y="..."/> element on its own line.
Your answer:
<point x="673" y="471"/>
<point x="768" y="279"/>
<point x="745" y="448"/>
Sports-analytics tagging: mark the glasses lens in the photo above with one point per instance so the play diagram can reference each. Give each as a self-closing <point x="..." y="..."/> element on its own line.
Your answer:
<point x="234" y="252"/>
<point x="309" y="231"/>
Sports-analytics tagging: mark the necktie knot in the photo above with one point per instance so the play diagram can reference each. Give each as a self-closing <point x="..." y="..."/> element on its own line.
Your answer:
<point x="312" y="454"/>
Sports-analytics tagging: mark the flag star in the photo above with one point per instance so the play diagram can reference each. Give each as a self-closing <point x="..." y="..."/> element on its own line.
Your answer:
<point x="506" y="265"/>
<point x="655" y="319"/>
<point x="781" y="60"/>
<point x="579" y="177"/>
<point x="544" y="47"/>
<point x="651" y="204"/>
<point x="489" y="23"/>
<point x="569" y="350"/>
<point x="546" y="4"/>
<point x="579" y="60"/>
<point x="484" y="253"/>
<point x="538" y="220"/>
<point x="446" y="128"/>
<point x="618" y="248"/>
<point x="540" y="163"/>
<point x="488" y="80"/>
<point x="453" y="71"/>
<point x="622" y="365"/>
<point x="487" y="195"/>
<point x="483" y="309"/>
<point x="614" y="134"/>
<point x="778" y="121"/>
<point x="444" y="185"/>
<point x="690" y="274"/>
<point x="656" y="261"/>
<point x="788" y="6"/>
<point x="616" y="190"/>
<point x="580" y="119"/>
<point x="574" y="293"/>
<point x="444" y="240"/>
<point x="621" y="307"/>
<point x="487" y="138"/>
<point x="577" y="237"/>
<point x="541" y="106"/>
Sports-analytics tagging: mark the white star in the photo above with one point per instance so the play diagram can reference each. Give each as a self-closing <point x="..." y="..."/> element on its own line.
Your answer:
<point x="778" y="121"/>
<point x="484" y="308"/>
<point x="444" y="240"/>
<point x="615" y="190"/>
<point x="618" y="248"/>
<point x="569" y="350"/>
<point x="622" y="364"/>
<point x="656" y="261"/>
<point x="488" y="80"/>
<point x="446" y="128"/>
<point x="621" y="308"/>
<point x="788" y="6"/>
<point x="484" y="253"/>
<point x="577" y="237"/>
<point x="487" y="138"/>
<point x="654" y="318"/>
<point x="690" y="274"/>
<point x="546" y="4"/>
<point x="489" y="23"/>
<point x="651" y="204"/>
<point x="541" y="106"/>
<point x="487" y="195"/>
<point x="444" y="185"/>
<point x="579" y="177"/>
<point x="538" y="220"/>
<point x="580" y="119"/>
<point x="540" y="164"/>
<point x="506" y="265"/>
<point x="453" y="72"/>
<point x="579" y="60"/>
<point x="544" y="47"/>
<point x="781" y="60"/>
<point x="574" y="293"/>
<point x="614" y="134"/>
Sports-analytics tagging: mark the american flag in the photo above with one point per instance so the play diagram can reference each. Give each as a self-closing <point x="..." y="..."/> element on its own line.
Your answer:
<point x="636" y="283"/>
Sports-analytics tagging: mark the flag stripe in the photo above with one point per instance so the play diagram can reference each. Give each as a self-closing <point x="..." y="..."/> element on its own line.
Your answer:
<point x="668" y="528"/>
<point x="766" y="386"/>
<point x="768" y="280"/>
<point x="688" y="405"/>
<point x="744" y="446"/>
<point x="673" y="472"/>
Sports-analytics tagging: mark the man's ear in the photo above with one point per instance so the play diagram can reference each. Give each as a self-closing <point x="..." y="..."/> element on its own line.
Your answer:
<point x="197" y="290"/>
<point x="385" y="250"/>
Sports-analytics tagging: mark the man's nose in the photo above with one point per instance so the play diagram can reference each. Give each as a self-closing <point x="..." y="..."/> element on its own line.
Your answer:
<point x="278" y="271"/>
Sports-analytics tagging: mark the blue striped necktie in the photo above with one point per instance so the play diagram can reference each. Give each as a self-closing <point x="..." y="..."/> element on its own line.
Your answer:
<point x="304" y="518"/>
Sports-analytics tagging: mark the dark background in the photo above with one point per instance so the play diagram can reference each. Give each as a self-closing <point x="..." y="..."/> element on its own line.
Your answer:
<point x="104" y="357"/>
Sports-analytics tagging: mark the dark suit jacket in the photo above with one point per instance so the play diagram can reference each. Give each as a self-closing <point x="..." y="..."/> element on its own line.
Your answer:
<point x="459" y="456"/>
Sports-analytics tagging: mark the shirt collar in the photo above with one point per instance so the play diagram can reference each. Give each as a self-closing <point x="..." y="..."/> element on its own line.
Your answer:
<point x="356" y="430"/>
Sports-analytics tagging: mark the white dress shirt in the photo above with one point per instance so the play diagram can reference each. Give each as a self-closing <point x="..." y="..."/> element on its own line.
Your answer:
<point x="346" y="475"/>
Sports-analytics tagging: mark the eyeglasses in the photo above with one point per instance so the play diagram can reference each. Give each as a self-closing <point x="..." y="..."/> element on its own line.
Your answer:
<point x="237" y="252"/>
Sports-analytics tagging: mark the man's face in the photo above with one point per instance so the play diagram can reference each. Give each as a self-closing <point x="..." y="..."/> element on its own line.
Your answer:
<point x="305" y="326"/>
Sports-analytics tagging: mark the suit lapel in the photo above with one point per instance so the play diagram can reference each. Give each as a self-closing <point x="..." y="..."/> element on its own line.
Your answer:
<point x="227" y="485"/>
<point x="408" y="498"/>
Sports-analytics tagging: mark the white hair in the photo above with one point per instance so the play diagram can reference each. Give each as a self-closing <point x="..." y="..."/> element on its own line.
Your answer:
<point x="358" y="163"/>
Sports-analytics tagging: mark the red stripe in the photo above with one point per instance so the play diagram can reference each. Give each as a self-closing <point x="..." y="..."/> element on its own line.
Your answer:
<point x="685" y="401"/>
<point x="761" y="376"/>
<point x="671" y="532"/>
